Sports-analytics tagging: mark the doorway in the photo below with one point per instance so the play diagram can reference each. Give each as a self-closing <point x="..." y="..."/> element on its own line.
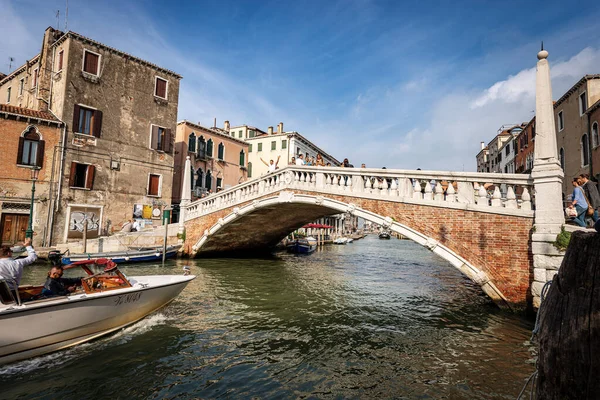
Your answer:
<point x="13" y="227"/>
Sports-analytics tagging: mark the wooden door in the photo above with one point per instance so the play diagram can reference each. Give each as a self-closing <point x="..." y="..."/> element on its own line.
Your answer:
<point x="13" y="228"/>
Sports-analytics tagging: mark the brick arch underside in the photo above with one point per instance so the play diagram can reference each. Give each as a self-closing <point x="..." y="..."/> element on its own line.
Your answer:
<point x="491" y="249"/>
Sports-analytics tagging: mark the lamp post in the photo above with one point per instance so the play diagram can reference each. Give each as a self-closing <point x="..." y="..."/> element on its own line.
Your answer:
<point x="35" y="172"/>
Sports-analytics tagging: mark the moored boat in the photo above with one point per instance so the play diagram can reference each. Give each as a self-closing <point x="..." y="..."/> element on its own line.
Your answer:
<point x="340" y="240"/>
<point x="384" y="235"/>
<point x="33" y="324"/>
<point x="302" y="245"/>
<point x="132" y="255"/>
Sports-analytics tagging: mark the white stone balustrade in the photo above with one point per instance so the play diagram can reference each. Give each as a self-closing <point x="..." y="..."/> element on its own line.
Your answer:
<point x="484" y="192"/>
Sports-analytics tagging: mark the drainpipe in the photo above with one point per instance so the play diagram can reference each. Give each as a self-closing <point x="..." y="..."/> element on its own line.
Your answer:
<point x="590" y="143"/>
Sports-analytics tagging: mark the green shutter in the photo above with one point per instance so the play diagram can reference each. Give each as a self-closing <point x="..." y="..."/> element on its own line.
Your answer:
<point x="284" y="144"/>
<point x="259" y="147"/>
<point x="250" y="148"/>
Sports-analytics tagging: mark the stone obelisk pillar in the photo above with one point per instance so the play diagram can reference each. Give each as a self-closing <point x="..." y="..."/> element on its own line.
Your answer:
<point x="547" y="179"/>
<point x="186" y="193"/>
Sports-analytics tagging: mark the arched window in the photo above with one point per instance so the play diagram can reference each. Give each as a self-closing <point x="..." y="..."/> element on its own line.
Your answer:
<point x="585" y="153"/>
<point x="242" y="158"/>
<point x="192" y="143"/>
<point x="201" y="148"/>
<point x="561" y="158"/>
<point x="208" y="181"/>
<point x="209" y="148"/>
<point x="221" y="151"/>
<point x="249" y="169"/>
<point x="594" y="134"/>
<point x="31" y="148"/>
<point x="199" y="178"/>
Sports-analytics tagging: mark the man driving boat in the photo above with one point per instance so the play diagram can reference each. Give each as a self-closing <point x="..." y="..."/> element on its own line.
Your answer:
<point x="56" y="285"/>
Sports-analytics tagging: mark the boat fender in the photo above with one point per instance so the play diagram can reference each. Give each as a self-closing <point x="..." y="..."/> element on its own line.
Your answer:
<point x="186" y="270"/>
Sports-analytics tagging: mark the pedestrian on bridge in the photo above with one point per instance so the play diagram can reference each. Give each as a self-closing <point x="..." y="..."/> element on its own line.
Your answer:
<point x="579" y="203"/>
<point x="591" y="191"/>
<point x="272" y="165"/>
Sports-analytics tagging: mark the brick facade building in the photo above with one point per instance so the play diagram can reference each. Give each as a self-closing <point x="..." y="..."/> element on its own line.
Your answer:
<point x="525" y="143"/>
<point x="28" y="139"/>
<point x="120" y="114"/>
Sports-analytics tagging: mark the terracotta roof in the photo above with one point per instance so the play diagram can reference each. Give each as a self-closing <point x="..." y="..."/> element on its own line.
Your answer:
<point x="28" y="113"/>
<point x="217" y="131"/>
<point x="121" y="53"/>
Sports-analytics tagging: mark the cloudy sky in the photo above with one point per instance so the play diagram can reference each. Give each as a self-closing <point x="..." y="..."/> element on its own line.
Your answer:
<point x="387" y="83"/>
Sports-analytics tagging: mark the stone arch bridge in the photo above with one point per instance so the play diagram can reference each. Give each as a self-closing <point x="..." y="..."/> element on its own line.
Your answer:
<point x="480" y="223"/>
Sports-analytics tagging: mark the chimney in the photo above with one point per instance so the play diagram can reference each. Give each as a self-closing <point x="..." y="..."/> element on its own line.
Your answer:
<point x="280" y="127"/>
<point x="215" y="123"/>
<point x="226" y="126"/>
<point x="482" y="145"/>
<point x="270" y="130"/>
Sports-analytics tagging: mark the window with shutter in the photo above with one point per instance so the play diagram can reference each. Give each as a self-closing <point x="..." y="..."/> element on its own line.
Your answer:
<point x="90" y="62"/>
<point x="201" y="148"/>
<point x="35" y="78"/>
<point x="154" y="185"/>
<point x="259" y="148"/>
<point x="29" y="149"/>
<point x="82" y="176"/>
<point x="242" y="158"/>
<point x="192" y="143"/>
<point x="87" y="121"/>
<point x="209" y="148"/>
<point x="8" y="94"/>
<point x="221" y="152"/>
<point x="273" y="145"/>
<point x="249" y="170"/>
<point x="160" y="88"/>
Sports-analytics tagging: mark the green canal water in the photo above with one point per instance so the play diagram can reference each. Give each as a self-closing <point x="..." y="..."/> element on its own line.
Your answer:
<point x="371" y="319"/>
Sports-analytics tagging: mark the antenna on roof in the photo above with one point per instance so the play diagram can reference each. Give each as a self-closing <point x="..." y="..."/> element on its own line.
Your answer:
<point x="10" y="61"/>
<point x="58" y="20"/>
<point x="67" y="16"/>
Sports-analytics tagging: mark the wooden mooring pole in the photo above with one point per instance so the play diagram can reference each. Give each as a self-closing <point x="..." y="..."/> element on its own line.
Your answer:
<point x="569" y="325"/>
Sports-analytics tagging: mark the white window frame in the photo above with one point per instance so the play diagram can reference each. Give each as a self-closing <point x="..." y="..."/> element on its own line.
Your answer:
<point x="8" y="94"/>
<point x="91" y="134"/>
<point x="83" y="62"/>
<point x="160" y="182"/>
<point x="150" y="138"/>
<point x="58" y="61"/>
<point x="560" y="120"/>
<point x="86" y="175"/>
<point x="35" y="76"/>
<point x="581" y="110"/>
<point x="156" y="78"/>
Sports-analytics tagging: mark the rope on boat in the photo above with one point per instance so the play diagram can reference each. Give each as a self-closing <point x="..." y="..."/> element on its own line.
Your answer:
<point x="534" y="333"/>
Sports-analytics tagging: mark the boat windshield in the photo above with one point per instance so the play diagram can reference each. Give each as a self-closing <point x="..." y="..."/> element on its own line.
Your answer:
<point x="103" y="275"/>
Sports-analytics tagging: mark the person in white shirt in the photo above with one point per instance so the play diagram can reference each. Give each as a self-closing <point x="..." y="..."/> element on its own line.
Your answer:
<point x="136" y="226"/>
<point x="300" y="160"/>
<point x="11" y="269"/>
<point x="272" y="165"/>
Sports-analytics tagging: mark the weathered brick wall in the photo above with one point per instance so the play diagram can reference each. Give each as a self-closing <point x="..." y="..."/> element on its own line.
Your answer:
<point x="497" y="244"/>
<point x="15" y="181"/>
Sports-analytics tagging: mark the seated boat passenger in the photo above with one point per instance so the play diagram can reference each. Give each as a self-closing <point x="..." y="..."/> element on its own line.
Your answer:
<point x="56" y="285"/>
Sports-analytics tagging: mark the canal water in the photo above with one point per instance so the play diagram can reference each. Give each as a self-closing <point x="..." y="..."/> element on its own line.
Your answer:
<point x="371" y="319"/>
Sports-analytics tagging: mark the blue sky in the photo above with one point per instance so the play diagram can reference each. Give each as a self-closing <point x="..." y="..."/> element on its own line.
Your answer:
<point x="387" y="83"/>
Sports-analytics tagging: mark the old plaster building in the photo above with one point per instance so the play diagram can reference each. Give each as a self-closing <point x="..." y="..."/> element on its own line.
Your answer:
<point x="243" y="131"/>
<point x="285" y="145"/>
<point x="492" y="158"/>
<point x="28" y="139"/>
<point x="573" y="128"/>
<point x="219" y="160"/>
<point x="119" y="113"/>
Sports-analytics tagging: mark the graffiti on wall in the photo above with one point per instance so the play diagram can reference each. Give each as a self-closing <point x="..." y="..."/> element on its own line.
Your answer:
<point x="76" y="222"/>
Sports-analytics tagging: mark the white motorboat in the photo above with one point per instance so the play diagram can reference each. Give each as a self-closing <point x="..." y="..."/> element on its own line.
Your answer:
<point x="340" y="240"/>
<point x="33" y="324"/>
